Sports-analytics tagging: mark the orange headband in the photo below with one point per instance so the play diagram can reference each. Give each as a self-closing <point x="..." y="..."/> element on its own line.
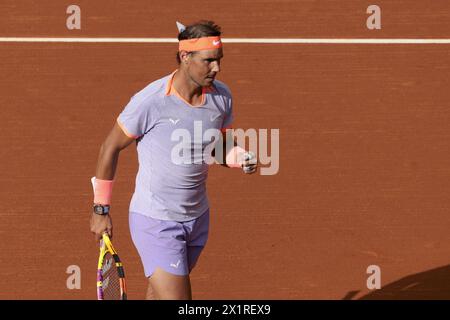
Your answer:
<point x="197" y="44"/>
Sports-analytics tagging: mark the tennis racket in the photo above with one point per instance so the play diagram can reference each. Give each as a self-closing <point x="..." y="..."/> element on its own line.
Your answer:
<point x="110" y="273"/>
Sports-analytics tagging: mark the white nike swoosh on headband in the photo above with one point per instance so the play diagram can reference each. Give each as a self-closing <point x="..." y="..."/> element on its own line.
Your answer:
<point x="216" y="42"/>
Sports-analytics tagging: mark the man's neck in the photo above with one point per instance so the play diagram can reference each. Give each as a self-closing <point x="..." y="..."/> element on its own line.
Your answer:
<point x="187" y="88"/>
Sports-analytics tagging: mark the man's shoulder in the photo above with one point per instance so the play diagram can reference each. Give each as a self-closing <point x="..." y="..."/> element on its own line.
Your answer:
<point x="153" y="91"/>
<point x="222" y="88"/>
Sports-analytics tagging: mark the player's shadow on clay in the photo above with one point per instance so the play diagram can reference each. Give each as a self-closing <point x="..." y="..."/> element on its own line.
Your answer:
<point x="432" y="284"/>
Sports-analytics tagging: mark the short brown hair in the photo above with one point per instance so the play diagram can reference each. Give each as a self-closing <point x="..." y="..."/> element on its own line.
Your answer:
<point x="203" y="28"/>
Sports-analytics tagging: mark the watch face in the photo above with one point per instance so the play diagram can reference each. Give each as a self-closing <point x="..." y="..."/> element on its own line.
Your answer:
<point x="101" y="209"/>
<point x="98" y="209"/>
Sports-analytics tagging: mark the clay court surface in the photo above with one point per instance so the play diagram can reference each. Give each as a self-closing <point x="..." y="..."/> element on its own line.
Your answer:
<point x="364" y="173"/>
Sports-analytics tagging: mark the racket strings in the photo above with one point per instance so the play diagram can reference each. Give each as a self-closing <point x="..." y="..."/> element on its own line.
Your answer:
<point x="111" y="280"/>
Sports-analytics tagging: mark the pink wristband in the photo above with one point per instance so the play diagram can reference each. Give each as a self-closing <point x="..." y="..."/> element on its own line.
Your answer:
<point x="234" y="157"/>
<point x="102" y="190"/>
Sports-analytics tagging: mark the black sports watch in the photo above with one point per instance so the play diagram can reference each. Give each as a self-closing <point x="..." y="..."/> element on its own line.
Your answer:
<point x="101" y="209"/>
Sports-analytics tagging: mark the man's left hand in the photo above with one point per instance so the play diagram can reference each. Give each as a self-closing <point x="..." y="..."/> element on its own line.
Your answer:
<point x="250" y="163"/>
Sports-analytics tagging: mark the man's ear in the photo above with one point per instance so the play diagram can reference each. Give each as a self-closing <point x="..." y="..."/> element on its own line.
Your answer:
<point x="184" y="56"/>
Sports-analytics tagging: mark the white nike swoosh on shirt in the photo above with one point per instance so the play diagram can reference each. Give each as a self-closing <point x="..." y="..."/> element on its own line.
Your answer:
<point x="174" y="121"/>
<point x="214" y="117"/>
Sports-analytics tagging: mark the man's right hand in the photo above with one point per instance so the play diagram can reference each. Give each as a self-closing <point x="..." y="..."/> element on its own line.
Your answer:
<point x="100" y="224"/>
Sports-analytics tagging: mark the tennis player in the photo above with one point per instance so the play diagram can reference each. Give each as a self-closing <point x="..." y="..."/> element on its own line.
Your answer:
<point x="169" y="210"/>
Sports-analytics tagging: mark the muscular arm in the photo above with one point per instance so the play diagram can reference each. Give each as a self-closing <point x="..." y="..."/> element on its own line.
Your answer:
<point x="108" y="157"/>
<point x="222" y="161"/>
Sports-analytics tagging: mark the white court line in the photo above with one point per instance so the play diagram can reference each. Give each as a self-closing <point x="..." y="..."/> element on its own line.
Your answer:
<point x="231" y="40"/>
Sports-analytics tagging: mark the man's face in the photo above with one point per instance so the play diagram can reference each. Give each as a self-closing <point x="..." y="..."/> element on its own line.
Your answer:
<point x="203" y="66"/>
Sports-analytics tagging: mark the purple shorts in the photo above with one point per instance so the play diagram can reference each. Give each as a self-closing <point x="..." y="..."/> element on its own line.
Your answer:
<point x="171" y="245"/>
